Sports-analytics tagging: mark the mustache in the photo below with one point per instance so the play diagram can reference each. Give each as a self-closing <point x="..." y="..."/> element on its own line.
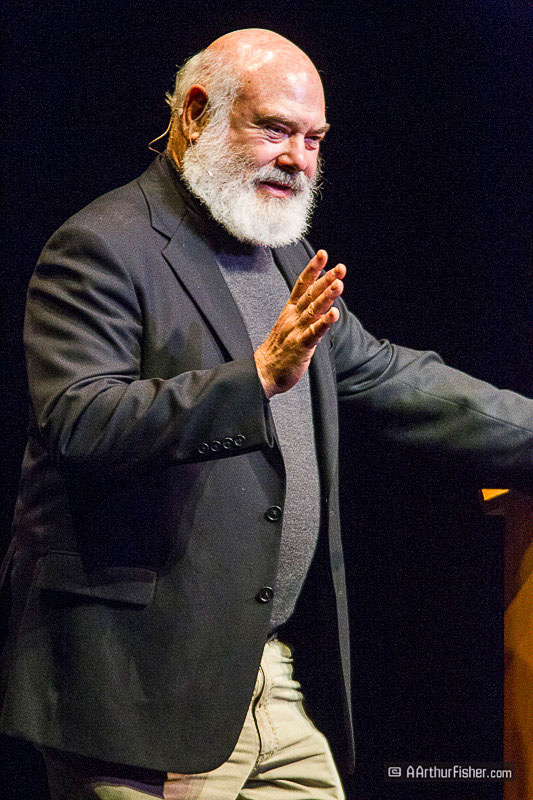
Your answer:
<point x="298" y="182"/>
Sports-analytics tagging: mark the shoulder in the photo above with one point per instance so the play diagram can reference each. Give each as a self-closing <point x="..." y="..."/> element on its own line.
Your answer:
<point x="130" y="217"/>
<point x="114" y="216"/>
<point x="112" y="235"/>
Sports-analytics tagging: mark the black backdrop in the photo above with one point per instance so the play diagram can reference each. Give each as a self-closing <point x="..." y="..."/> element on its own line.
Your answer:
<point x="425" y="200"/>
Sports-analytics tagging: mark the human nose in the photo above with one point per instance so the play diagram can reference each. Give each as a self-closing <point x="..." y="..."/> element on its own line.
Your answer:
<point x="294" y="157"/>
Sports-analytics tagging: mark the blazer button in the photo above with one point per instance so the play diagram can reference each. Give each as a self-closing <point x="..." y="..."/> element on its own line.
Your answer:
<point x="203" y="448"/>
<point x="239" y="440"/>
<point x="273" y="513"/>
<point x="265" y="594"/>
<point x="215" y="446"/>
<point x="228" y="443"/>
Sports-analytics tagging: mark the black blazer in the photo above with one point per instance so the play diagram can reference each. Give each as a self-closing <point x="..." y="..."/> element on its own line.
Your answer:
<point x="142" y="539"/>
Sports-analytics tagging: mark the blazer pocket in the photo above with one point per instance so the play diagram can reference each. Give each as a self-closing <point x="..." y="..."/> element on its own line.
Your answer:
<point x="65" y="572"/>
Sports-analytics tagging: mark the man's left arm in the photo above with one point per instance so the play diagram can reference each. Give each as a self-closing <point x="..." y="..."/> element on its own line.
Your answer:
<point x="413" y="399"/>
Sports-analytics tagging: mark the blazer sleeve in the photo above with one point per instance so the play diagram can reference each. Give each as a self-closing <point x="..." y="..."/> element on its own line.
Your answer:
<point x="413" y="399"/>
<point x="83" y="339"/>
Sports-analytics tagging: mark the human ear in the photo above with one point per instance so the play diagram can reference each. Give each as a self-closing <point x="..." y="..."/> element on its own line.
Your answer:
<point x="193" y="112"/>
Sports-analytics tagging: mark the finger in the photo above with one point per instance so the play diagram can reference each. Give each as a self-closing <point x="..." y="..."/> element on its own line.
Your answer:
<point x="321" y="304"/>
<point x="309" y="275"/>
<point x="316" y="330"/>
<point x="317" y="288"/>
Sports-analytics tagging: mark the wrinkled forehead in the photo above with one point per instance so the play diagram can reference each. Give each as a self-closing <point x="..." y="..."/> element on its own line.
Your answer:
<point x="270" y="82"/>
<point x="293" y="81"/>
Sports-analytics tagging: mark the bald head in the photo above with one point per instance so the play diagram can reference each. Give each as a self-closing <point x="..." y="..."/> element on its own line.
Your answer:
<point x="265" y="58"/>
<point x="247" y="41"/>
<point x="254" y="52"/>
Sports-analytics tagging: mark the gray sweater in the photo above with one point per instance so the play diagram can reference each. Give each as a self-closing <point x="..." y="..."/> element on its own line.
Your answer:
<point x="260" y="292"/>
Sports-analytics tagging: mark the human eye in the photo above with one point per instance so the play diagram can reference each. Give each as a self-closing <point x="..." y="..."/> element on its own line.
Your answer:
<point x="314" y="141"/>
<point x="275" y="131"/>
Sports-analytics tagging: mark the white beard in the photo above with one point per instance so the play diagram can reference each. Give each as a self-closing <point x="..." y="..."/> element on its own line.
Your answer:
<point x="225" y="180"/>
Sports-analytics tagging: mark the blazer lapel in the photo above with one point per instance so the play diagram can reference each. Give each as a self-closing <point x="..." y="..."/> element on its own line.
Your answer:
<point x="190" y="257"/>
<point x="196" y="268"/>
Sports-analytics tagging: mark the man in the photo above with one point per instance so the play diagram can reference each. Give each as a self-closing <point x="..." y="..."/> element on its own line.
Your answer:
<point x="177" y="525"/>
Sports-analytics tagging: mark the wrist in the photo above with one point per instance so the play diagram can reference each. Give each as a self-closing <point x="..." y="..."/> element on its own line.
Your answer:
<point x="268" y="384"/>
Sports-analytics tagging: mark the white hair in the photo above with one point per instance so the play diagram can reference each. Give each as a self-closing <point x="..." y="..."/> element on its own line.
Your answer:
<point x="212" y="71"/>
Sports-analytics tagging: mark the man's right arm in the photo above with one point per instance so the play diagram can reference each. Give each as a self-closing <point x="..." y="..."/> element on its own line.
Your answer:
<point x="93" y="407"/>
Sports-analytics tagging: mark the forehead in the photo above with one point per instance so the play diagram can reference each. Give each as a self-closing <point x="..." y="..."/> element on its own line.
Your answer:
<point x="293" y="91"/>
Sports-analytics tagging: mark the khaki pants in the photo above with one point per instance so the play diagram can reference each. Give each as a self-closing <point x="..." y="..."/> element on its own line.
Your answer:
<point x="280" y="755"/>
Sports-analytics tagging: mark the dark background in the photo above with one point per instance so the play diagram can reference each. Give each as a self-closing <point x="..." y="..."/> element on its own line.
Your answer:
<point x="425" y="200"/>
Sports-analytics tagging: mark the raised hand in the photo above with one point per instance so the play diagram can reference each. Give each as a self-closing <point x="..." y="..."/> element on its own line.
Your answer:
<point x="286" y="353"/>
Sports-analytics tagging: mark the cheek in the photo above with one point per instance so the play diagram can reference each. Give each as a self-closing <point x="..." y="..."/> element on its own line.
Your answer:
<point x="312" y="163"/>
<point x="261" y="149"/>
<point x="265" y="152"/>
